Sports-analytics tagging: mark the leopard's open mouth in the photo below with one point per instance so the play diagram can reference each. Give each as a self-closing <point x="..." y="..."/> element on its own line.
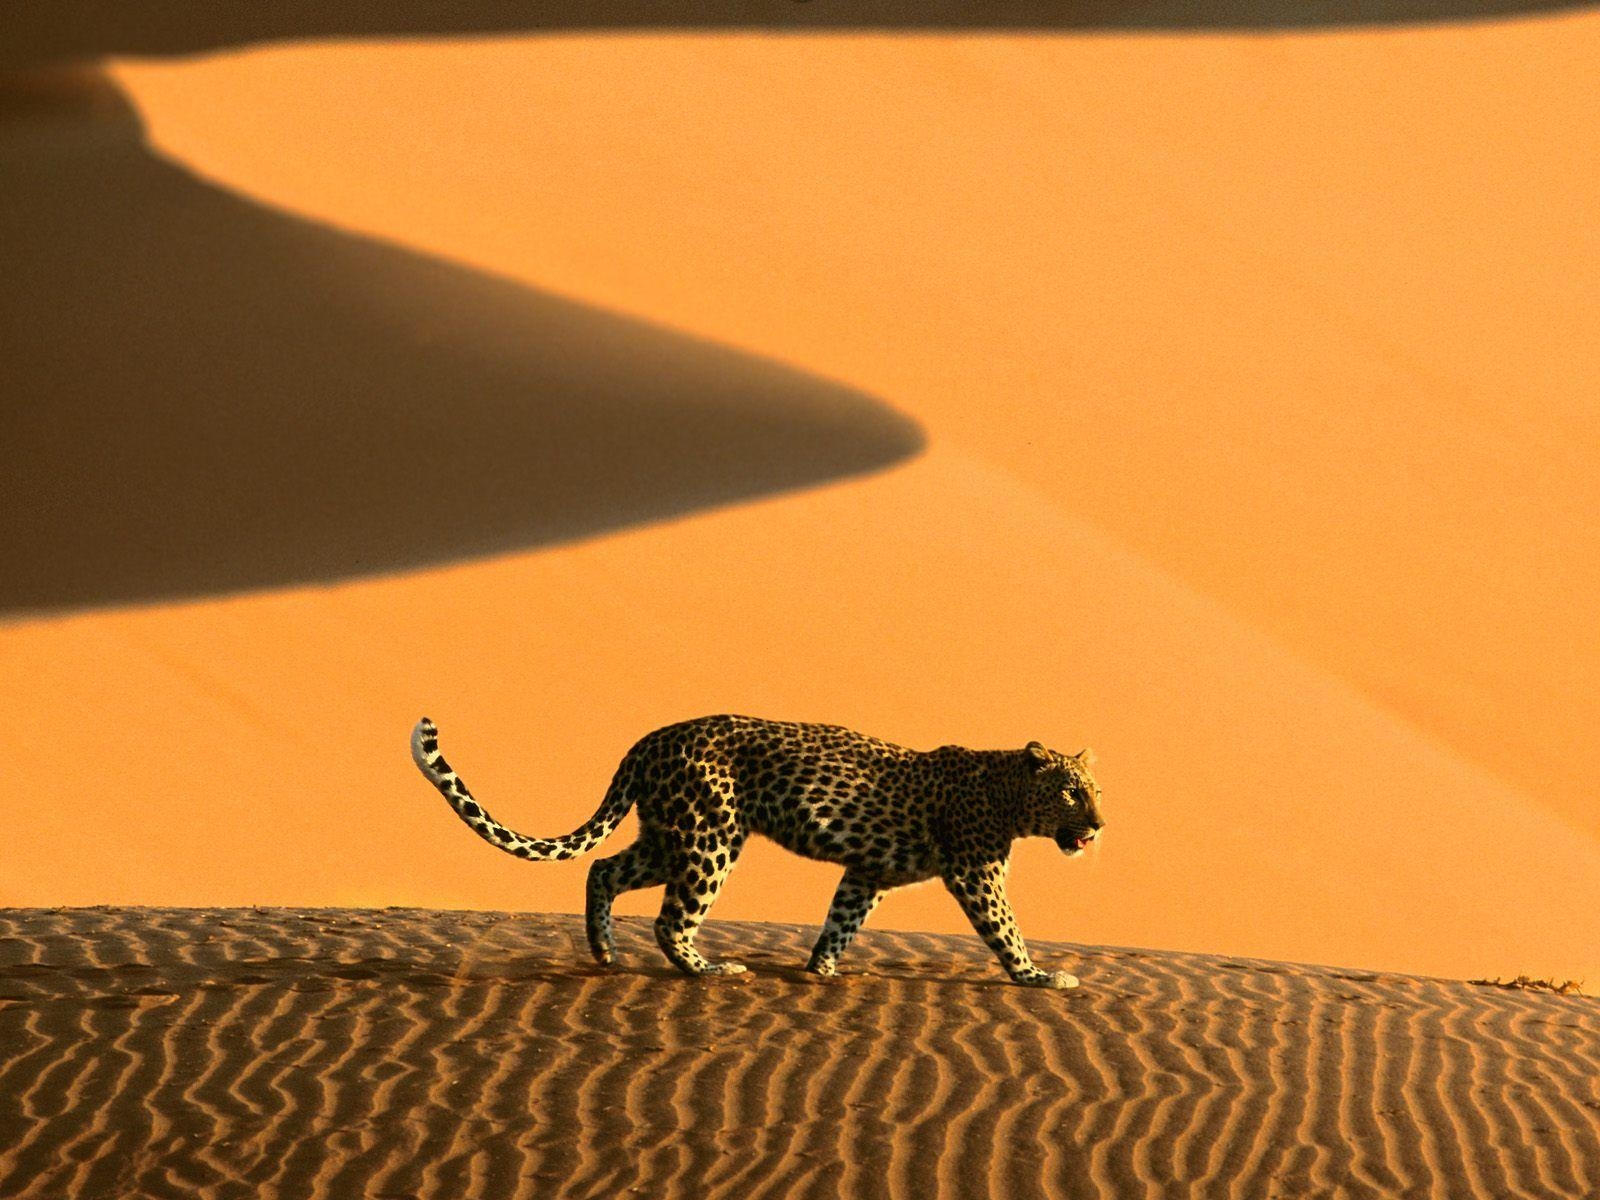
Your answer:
<point x="1072" y="841"/>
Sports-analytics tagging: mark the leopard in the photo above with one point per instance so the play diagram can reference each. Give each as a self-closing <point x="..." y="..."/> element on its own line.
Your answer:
<point x="888" y="815"/>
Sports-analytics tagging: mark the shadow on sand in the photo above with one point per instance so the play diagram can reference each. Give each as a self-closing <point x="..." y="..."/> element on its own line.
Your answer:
<point x="75" y="29"/>
<point x="199" y="394"/>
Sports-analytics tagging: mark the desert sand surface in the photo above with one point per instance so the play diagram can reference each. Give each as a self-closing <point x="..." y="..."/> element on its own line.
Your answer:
<point x="1220" y="398"/>
<point x="407" y="1053"/>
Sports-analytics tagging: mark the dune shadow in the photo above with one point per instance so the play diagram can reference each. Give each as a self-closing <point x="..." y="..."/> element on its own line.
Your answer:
<point x="74" y="29"/>
<point x="200" y="394"/>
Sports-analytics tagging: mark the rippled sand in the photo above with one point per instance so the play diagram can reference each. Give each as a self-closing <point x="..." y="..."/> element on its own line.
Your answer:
<point x="408" y="1053"/>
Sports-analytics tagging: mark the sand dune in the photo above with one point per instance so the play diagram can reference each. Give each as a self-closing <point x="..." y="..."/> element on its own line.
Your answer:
<point x="201" y="394"/>
<point x="347" y="1053"/>
<point x="1255" y="376"/>
<point x="79" y="29"/>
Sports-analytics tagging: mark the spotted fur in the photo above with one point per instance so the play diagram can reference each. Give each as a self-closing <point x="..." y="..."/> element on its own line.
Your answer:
<point x="888" y="815"/>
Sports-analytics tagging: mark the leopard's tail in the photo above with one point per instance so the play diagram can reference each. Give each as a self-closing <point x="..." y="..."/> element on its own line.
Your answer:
<point x="425" y="753"/>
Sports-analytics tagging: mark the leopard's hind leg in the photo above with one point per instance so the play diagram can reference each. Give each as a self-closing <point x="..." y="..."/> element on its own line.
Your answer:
<point x="853" y="902"/>
<point x="695" y="877"/>
<point x="641" y="865"/>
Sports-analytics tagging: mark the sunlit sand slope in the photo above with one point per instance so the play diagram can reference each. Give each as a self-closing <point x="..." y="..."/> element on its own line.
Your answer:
<point x="1256" y="806"/>
<point x="343" y="1053"/>
<point x="1306" y="320"/>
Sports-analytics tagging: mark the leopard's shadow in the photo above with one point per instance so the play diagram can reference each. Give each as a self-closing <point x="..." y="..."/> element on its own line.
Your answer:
<point x="878" y="956"/>
<point x="201" y="394"/>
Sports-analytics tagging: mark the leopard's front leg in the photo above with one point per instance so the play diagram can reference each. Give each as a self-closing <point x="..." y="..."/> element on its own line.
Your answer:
<point x="980" y="889"/>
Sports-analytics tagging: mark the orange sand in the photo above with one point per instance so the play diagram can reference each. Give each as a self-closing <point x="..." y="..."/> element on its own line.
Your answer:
<point x="1255" y="377"/>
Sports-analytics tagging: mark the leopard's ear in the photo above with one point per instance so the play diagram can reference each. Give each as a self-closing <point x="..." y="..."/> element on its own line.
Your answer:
<point x="1038" y="756"/>
<point x="1085" y="756"/>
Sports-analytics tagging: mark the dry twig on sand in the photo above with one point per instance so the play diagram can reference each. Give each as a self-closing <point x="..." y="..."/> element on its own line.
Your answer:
<point x="1529" y="984"/>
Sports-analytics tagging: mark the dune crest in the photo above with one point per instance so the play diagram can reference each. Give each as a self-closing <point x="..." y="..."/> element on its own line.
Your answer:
<point x="70" y="30"/>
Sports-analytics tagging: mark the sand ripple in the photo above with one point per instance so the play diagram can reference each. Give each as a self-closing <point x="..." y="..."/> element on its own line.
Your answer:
<point x="397" y="1054"/>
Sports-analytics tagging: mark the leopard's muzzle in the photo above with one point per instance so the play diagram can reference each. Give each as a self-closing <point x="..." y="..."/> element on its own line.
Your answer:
<point x="1075" y="839"/>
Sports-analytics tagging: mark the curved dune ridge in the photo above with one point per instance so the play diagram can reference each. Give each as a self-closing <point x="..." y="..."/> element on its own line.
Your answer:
<point x="326" y="1052"/>
<point x="79" y="29"/>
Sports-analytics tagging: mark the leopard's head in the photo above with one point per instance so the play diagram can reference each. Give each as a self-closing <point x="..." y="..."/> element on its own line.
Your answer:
<point x="1063" y="798"/>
